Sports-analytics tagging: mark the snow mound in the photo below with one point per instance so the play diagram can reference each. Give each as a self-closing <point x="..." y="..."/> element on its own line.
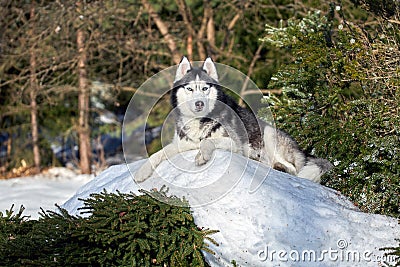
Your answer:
<point x="265" y="217"/>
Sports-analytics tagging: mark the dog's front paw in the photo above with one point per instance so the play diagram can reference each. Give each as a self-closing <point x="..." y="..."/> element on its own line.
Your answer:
<point x="205" y="153"/>
<point x="202" y="158"/>
<point x="144" y="172"/>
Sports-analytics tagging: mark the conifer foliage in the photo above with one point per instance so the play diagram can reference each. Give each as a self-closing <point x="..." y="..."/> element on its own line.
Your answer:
<point x="339" y="99"/>
<point x="120" y="230"/>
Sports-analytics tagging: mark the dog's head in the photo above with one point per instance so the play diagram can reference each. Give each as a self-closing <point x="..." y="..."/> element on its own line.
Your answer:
<point x="195" y="91"/>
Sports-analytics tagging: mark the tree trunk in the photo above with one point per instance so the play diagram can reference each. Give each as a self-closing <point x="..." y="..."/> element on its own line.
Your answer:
<point x="33" y="94"/>
<point x="83" y="106"/>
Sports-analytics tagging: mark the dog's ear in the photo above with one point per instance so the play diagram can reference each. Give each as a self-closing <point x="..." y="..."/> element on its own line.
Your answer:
<point x="210" y="68"/>
<point x="183" y="68"/>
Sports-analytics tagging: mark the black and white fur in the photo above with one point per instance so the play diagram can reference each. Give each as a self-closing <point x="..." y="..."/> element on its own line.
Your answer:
<point x="207" y="119"/>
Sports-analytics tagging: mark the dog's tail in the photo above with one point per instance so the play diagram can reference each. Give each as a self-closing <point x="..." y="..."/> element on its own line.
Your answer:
<point x="314" y="169"/>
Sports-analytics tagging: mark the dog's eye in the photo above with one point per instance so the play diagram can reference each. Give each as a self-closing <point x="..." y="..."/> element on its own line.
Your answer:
<point x="205" y="88"/>
<point x="189" y="89"/>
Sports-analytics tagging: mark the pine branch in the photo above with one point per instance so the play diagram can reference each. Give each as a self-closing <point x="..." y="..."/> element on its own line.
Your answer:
<point x="120" y="229"/>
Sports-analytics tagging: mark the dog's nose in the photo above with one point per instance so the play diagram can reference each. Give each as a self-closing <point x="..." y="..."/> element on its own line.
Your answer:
<point x="199" y="104"/>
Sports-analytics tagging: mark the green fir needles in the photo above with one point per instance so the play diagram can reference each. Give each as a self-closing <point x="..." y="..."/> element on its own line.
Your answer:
<point x="120" y="230"/>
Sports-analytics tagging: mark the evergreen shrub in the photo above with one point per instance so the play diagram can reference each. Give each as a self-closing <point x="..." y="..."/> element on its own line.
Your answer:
<point x="339" y="98"/>
<point x="120" y="230"/>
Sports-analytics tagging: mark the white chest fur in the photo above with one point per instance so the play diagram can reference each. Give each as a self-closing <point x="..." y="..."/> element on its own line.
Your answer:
<point x="194" y="130"/>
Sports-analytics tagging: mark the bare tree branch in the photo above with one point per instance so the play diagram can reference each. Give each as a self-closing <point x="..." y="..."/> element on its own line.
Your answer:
<point x="249" y="73"/>
<point x="211" y="29"/>
<point x="200" y="34"/>
<point x="185" y="12"/>
<point x="232" y="24"/>
<point x="164" y="31"/>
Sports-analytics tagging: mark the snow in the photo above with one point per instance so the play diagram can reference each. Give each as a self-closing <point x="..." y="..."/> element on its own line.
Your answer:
<point x="265" y="217"/>
<point x="57" y="185"/>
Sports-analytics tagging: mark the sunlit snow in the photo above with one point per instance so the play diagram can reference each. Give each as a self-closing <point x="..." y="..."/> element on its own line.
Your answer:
<point x="265" y="217"/>
<point x="40" y="191"/>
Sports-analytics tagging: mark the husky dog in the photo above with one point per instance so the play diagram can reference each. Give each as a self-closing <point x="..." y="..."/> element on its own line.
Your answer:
<point x="207" y="119"/>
